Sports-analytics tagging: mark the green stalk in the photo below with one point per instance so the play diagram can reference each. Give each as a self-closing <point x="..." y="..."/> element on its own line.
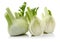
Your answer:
<point x="9" y="17"/>
<point x="49" y="12"/>
<point x="31" y="13"/>
<point x="10" y="14"/>
<point x="22" y="9"/>
<point x="17" y="15"/>
<point x="9" y="20"/>
<point x="27" y="16"/>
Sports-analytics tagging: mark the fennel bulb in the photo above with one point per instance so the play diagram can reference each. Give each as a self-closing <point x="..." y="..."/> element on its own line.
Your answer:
<point x="48" y="20"/>
<point x="17" y="25"/>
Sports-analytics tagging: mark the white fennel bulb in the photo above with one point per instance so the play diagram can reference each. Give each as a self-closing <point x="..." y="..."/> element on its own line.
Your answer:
<point x="17" y="25"/>
<point x="35" y="27"/>
<point x="48" y="21"/>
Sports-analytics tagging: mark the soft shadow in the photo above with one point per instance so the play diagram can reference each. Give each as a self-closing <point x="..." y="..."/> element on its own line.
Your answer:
<point x="29" y="36"/>
<point x="44" y="35"/>
<point x="22" y="35"/>
<point x="48" y="35"/>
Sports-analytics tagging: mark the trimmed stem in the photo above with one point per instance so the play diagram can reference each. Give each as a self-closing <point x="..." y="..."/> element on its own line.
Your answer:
<point x="10" y="14"/>
<point x="17" y="15"/>
<point x="9" y="20"/>
<point x="27" y="17"/>
<point x="29" y="12"/>
<point x="46" y="11"/>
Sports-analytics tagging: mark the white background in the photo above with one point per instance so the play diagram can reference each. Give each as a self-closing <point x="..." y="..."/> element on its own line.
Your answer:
<point x="53" y="5"/>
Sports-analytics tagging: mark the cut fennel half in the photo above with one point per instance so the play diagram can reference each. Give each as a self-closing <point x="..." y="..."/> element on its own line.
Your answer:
<point x="34" y="22"/>
<point x="48" y="20"/>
